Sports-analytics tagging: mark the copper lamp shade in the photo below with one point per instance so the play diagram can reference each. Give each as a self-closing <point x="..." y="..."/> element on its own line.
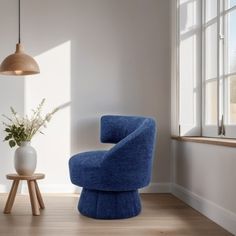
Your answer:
<point x="19" y="63"/>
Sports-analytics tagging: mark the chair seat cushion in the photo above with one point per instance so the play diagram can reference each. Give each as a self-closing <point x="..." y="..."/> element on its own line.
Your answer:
<point x="85" y="168"/>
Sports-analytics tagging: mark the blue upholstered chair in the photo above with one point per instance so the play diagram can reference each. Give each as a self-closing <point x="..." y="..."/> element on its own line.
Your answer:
<point x="111" y="179"/>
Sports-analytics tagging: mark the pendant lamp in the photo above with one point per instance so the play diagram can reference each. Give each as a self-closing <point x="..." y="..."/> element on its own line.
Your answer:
<point x="19" y="63"/>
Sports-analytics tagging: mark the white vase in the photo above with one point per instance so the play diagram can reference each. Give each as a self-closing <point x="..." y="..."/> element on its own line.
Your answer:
<point x="25" y="159"/>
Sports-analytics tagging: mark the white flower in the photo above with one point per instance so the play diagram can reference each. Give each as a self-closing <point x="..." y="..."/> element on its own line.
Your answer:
<point x="31" y="125"/>
<point x="48" y="117"/>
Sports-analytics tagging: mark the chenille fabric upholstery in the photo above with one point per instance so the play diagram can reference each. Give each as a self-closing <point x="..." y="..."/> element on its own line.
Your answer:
<point x="110" y="179"/>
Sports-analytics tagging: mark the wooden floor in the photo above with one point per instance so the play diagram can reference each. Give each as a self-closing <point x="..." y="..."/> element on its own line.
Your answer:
<point x="162" y="214"/>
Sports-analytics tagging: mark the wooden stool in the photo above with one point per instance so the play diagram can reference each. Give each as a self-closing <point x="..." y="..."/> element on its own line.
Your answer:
<point x="35" y="195"/>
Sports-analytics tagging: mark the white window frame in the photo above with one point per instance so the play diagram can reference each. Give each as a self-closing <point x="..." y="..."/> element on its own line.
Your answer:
<point x="220" y="129"/>
<point x="209" y="130"/>
<point x="205" y="130"/>
<point x="230" y="130"/>
<point x="192" y="125"/>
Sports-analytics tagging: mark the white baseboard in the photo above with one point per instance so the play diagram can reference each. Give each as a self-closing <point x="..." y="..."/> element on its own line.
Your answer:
<point x="57" y="188"/>
<point x="216" y="213"/>
<point x="69" y="188"/>
<point x="53" y="188"/>
<point x="4" y="188"/>
<point x="157" y="188"/>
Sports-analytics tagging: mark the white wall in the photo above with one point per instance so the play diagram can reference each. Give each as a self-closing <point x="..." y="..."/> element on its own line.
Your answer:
<point x="204" y="177"/>
<point x="11" y="91"/>
<point x="98" y="57"/>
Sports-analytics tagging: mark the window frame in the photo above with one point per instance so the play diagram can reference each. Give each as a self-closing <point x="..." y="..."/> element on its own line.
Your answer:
<point x="230" y="129"/>
<point x="220" y="129"/>
<point x="205" y="130"/>
<point x="210" y="130"/>
<point x="191" y="126"/>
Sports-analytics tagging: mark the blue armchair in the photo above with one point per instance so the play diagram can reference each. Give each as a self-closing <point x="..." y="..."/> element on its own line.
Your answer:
<point x="111" y="179"/>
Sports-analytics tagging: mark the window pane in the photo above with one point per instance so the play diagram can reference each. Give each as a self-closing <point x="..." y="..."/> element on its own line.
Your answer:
<point x="231" y="42"/>
<point x="211" y="103"/>
<point x="211" y="52"/>
<point x="211" y="9"/>
<point x="188" y="19"/>
<point x="189" y="66"/>
<point x="230" y="3"/>
<point x="221" y="98"/>
<point x="232" y="100"/>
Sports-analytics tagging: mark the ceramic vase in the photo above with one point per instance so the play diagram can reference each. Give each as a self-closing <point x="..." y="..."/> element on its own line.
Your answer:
<point x="25" y="159"/>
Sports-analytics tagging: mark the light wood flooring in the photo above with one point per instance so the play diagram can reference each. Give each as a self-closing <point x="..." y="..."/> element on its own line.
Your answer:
<point x="162" y="214"/>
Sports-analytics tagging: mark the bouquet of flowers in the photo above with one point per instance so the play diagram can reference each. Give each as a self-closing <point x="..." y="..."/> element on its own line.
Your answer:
<point x="21" y="129"/>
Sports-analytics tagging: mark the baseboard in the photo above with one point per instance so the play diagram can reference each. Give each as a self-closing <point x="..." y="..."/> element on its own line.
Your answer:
<point x="64" y="188"/>
<point x="157" y="188"/>
<point x="53" y="188"/>
<point x="4" y="188"/>
<point x="57" y="188"/>
<point x="69" y="188"/>
<point x="216" y="213"/>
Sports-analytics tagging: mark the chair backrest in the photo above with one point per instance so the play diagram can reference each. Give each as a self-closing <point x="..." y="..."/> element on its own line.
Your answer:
<point x="129" y="162"/>
<point x="116" y="128"/>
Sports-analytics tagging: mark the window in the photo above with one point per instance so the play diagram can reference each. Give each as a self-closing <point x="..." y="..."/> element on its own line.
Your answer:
<point x="189" y="67"/>
<point x="206" y="62"/>
<point x="219" y="67"/>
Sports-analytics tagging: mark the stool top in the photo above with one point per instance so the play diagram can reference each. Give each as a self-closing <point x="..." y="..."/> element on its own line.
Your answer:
<point x="25" y="177"/>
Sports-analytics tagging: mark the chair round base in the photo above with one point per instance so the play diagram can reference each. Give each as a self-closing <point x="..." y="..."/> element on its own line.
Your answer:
<point x="109" y="204"/>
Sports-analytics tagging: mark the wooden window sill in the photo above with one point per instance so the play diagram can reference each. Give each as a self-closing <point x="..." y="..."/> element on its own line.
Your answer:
<point x="207" y="140"/>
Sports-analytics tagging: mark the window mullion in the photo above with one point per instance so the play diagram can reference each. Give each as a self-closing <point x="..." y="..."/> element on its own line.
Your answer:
<point x="210" y="93"/>
<point x="218" y="63"/>
<point x="225" y="89"/>
<point x="203" y="47"/>
<point x="223" y="115"/>
<point x="230" y="126"/>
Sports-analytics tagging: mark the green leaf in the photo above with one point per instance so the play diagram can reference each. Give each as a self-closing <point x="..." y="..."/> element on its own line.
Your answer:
<point x="12" y="143"/>
<point x="7" y="130"/>
<point x="7" y="138"/>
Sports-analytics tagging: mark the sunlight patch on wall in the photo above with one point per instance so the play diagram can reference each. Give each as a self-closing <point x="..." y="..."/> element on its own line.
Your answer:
<point x="54" y="84"/>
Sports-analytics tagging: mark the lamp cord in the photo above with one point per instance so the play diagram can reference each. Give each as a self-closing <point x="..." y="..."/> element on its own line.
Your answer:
<point x="19" y="21"/>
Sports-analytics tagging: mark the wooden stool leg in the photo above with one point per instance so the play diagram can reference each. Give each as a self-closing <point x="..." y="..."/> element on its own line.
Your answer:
<point x="39" y="196"/>
<point x="33" y="197"/>
<point x="11" y="197"/>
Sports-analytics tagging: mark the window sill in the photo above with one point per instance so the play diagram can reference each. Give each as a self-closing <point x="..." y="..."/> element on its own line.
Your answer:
<point x="207" y="140"/>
